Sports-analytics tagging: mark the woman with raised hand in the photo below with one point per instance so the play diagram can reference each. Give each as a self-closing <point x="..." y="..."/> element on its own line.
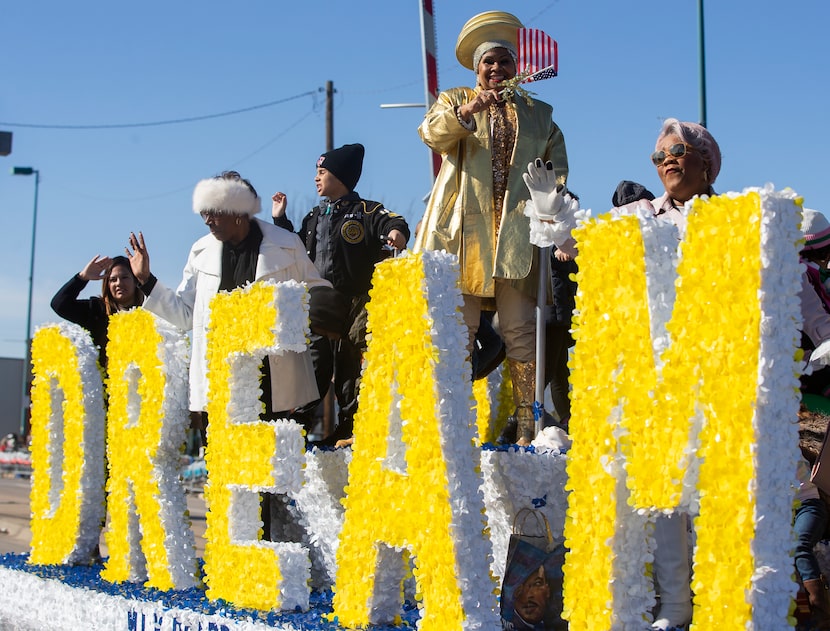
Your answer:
<point x="240" y="249"/>
<point x="119" y="292"/>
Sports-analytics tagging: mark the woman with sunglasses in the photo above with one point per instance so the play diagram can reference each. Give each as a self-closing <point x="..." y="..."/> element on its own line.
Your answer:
<point x="688" y="160"/>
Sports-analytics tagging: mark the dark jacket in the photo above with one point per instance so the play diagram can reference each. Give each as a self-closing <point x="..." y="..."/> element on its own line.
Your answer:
<point x="90" y="313"/>
<point x="564" y="290"/>
<point x="361" y="226"/>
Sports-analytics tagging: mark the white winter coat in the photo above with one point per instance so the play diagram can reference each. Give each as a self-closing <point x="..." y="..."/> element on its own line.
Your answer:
<point x="282" y="256"/>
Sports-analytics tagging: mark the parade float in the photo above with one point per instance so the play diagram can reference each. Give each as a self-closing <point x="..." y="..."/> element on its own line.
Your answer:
<point x="685" y="395"/>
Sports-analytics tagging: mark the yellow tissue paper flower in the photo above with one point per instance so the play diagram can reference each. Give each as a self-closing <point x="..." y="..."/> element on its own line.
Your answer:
<point x="147" y="386"/>
<point x="626" y="410"/>
<point x="67" y="423"/>
<point x="243" y="452"/>
<point x="400" y="455"/>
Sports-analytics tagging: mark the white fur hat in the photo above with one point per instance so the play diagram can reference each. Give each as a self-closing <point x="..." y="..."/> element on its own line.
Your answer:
<point x="224" y="195"/>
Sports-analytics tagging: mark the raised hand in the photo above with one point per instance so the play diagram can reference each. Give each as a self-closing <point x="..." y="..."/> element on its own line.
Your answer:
<point x="139" y="257"/>
<point x="552" y="211"/>
<point x="96" y="268"/>
<point x="280" y="202"/>
<point x="396" y="239"/>
<point x="548" y="197"/>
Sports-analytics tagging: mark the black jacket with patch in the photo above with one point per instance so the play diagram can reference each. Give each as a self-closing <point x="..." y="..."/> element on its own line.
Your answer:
<point x="360" y="229"/>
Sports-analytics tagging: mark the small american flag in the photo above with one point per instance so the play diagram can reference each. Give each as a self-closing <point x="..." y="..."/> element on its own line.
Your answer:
<point x="544" y="73"/>
<point x="538" y="54"/>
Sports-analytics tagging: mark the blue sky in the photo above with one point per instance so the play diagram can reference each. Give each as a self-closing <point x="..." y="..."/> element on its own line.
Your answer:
<point x="624" y="67"/>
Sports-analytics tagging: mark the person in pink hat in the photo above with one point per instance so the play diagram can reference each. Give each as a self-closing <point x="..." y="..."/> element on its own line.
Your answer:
<point x="815" y="303"/>
<point x="811" y="516"/>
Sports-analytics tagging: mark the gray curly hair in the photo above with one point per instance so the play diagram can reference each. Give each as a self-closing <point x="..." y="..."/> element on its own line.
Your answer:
<point x="698" y="137"/>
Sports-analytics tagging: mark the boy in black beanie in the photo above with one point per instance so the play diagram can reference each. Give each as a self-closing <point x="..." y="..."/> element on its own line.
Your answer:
<point x="345" y="236"/>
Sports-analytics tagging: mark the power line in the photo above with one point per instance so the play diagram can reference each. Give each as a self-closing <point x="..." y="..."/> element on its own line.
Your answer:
<point x="541" y="13"/>
<point x="175" y="121"/>
<point x="274" y="139"/>
<point x="189" y="186"/>
<point x="363" y="91"/>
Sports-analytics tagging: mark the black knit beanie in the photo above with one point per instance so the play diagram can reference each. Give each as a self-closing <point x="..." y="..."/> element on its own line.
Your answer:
<point x="345" y="163"/>
<point x="628" y="192"/>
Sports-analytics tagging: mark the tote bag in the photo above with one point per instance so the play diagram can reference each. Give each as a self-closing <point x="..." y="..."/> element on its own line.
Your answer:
<point x="531" y="594"/>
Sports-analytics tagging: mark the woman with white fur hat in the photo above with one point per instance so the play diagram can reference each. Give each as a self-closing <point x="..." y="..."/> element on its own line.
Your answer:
<point x="239" y="249"/>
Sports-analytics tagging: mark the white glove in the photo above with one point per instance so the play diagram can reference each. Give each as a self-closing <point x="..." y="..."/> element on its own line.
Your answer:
<point x="548" y="199"/>
<point x="820" y="357"/>
<point x="552" y="212"/>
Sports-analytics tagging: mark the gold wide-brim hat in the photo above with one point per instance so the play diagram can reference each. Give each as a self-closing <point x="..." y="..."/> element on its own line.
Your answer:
<point x="485" y="27"/>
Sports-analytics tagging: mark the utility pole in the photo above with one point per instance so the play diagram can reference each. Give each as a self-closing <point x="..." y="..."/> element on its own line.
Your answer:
<point x="329" y="116"/>
<point x="430" y="76"/>
<point x="329" y="414"/>
<point x="702" y="63"/>
<point x="430" y="69"/>
<point x="24" y="392"/>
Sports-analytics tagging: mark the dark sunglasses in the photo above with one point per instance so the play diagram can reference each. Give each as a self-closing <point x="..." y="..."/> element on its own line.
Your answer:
<point x="675" y="151"/>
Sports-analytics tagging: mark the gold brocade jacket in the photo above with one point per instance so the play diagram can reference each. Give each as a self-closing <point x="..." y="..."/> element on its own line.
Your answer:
<point x="459" y="217"/>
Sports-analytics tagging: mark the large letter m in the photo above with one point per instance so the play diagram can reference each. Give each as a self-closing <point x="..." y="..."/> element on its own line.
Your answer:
<point x="685" y="395"/>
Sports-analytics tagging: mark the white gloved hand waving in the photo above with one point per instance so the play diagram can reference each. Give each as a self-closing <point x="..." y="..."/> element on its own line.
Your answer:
<point x="548" y="198"/>
<point x="552" y="211"/>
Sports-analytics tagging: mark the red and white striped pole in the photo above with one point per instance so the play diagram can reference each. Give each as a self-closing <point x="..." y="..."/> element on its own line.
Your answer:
<point x="430" y="67"/>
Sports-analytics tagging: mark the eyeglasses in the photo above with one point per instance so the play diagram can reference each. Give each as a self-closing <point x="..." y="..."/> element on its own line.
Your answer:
<point x="675" y="151"/>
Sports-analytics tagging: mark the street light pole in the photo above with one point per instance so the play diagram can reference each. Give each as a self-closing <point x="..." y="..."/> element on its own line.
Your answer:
<point x="24" y="390"/>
